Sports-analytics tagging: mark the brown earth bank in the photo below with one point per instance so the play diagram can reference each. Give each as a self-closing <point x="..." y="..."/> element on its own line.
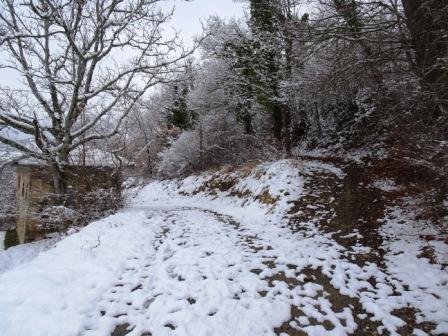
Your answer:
<point x="356" y="205"/>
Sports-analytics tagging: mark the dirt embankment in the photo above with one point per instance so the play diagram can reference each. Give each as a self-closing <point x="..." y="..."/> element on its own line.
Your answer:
<point x="352" y="211"/>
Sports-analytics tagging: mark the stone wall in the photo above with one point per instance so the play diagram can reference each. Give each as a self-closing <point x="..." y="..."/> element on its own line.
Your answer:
<point x="35" y="191"/>
<point x="33" y="185"/>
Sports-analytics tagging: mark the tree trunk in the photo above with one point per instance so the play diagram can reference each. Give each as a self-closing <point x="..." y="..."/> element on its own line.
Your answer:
<point x="427" y="21"/>
<point x="348" y="10"/>
<point x="277" y="118"/>
<point x="59" y="179"/>
<point x="201" y="144"/>
<point x="247" y="121"/>
<point x="287" y="135"/>
<point x="289" y="78"/>
<point x="58" y="168"/>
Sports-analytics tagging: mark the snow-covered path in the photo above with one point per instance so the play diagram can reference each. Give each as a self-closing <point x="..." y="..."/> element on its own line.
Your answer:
<point x="226" y="255"/>
<point x="196" y="277"/>
<point x="162" y="271"/>
<point x="177" y="271"/>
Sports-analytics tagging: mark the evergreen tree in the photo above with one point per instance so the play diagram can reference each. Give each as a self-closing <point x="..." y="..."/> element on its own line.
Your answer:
<point x="266" y="56"/>
<point x="179" y="113"/>
<point x="238" y="55"/>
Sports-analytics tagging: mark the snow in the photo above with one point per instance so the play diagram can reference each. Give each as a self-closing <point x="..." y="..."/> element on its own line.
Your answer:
<point x="173" y="292"/>
<point x="103" y="265"/>
<point x="315" y="250"/>
<point x="65" y="282"/>
<point x="387" y="185"/>
<point x="426" y="284"/>
<point x="7" y="153"/>
<point x="358" y="155"/>
<point x="21" y="254"/>
<point x="212" y="255"/>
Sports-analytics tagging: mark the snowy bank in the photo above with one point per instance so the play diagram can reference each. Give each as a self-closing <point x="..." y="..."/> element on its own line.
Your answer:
<point x="261" y="198"/>
<point x="21" y="254"/>
<point x="51" y="294"/>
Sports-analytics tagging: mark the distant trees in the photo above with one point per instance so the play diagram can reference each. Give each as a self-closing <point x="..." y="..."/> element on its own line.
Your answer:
<point x="361" y="75"/>
<point x="230" y="48"/>
<point x="216" y="140"/>
<point x="142" y="136"/>
<point x="260" y="63"/>
<point x="348" y="74"/>
<point x="69" y="54"/>
<point x="225" y="128"/>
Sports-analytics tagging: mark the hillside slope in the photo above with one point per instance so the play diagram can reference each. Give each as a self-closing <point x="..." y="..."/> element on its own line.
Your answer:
<point x="281" y="248"/>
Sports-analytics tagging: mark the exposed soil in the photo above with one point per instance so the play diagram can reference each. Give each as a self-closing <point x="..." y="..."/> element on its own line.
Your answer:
<point x="352" y="211"/>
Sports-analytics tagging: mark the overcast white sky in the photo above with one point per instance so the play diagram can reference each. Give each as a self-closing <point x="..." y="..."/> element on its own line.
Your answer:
<point x="187" y="19"/>
<point x="188" y="14"/>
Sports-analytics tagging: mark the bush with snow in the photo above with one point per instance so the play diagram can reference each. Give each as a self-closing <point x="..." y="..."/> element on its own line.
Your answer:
<point x="217" y="139"/>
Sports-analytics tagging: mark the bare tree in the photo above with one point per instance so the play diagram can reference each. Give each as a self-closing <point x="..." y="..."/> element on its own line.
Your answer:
<point x="84" y="63"/>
